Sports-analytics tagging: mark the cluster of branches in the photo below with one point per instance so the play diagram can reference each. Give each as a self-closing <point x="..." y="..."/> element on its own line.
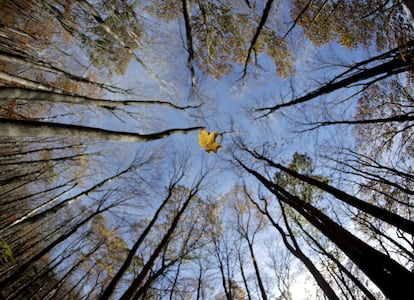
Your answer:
<point x="68" y="238"/>
<point x="378" y="266"/>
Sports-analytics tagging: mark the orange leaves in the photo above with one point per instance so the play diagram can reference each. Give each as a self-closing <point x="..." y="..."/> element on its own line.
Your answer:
<point x="208" y="141"/>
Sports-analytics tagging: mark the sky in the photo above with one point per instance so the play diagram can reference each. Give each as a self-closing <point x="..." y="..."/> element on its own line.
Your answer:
<point x="227" y="108"/>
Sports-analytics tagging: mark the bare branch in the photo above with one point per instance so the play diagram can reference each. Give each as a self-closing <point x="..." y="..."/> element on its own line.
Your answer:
<point x="394" y="66"/>
<point x="398" y="118"/>
<point x="262" y="22"/>
<point x="189" y="39"/>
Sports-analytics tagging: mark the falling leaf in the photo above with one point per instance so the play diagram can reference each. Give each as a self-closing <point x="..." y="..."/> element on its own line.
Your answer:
<point x="208" y="141"/>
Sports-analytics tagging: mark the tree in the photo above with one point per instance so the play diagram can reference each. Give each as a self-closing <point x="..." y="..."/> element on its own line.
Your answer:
<point x="134" y="291"/>
<point x="101" y="196"/>
<point x="289" y="236"/>
<point x="208" y="24"/>
<point x="47" y="129"/>
<point x="222" y="251"/>
<point x="349" y="23"/>
<point x="392" y="62"/>
<point x="17" y="272"/>
<point x="348" y="243"/>
<point x="248" y="225"/>
<point x="177" y="176"/>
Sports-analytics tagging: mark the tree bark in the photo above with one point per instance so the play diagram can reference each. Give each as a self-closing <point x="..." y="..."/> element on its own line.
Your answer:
<point x="259" y="28"/>
<point x="298" y="253"/>
<point x="112" y="285"/>
<point x="34" y="63"/>
<point x="32" y="217"/>
<point x="393" y="279"/>
<point x="355" y="280"/>
<point x="410" y="6"/>
<point x="375" y="211"/>
<point x="20" y="269"/>
<point x="396" y="65"/>
<point x="199" y="282"/>
<point x="397" y="119"/>
<point x="133" y="292"/>
<point x="257" y="272"/>
<point x="189" y="38"/>
<point x="246" y="286"/>
<point x="24" y="128"/>
<point x="34" y="94"/>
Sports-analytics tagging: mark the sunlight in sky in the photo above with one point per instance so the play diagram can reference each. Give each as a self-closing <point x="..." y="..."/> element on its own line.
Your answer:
<point x="222" y="150"/>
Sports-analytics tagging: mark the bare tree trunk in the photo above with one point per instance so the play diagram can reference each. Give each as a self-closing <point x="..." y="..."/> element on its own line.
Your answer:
<point x="227" y="290"/>
<point x="19" y="270"/>
<point x="37" y="94"/>
<point x="393" y="279"/>
<point x="257" y="272"/>
<point x="174" y="284"/>
<point x="355" y="280"/>
<point x="243" y="275"/>
<point x="200" y="276"/>
<point x="298" y="253"/>
<point x="410" y="6"/>
<point x="263" y="19"/>
<point x="397" y="64"/>
<point x="189" y="38"/>
<point x="375" y="211"/>
<point x="32" y="217"/>
<point x="133" y="292"/>
<point x="112" y="285"/>
<point x="24" y="128"/>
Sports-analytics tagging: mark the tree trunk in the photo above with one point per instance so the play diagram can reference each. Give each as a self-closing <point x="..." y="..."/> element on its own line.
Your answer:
<point x="243" y="275"/>
<point x="31" y="217"/>
<point x="375" y="211"/>
<point x="355" y="280"/>
<point x="200" y="276"/>
<point x="61" y="97"/>
<point x="131" y="292"/>
<point x="20" y="270"/>
<point x="112" y="285"/>
<point x="410" y="6"/>
<point x="393" y="279"/>
<point x="396" y="65"/>
<point x="257" y="272"/>
<point x="298" y="253"/>
<point x="24" y="128"/>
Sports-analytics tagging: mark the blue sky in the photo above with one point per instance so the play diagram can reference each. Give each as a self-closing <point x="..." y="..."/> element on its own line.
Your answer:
<point x="227" y="107"/>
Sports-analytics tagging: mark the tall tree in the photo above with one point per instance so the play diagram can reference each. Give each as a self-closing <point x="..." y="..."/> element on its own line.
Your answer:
<point x="392" y="62"/>
<point x="371" y="261"/>
<point x="134" y="291"/>
<point x="94" y="97"/>
<point x="350" y="23"/>
<point x="248" y="225"/>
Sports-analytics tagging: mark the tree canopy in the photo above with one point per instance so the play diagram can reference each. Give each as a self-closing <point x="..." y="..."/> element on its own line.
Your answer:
<point x="107" y="188"/>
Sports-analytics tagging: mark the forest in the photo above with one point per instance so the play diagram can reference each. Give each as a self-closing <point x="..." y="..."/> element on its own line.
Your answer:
<point x="206" y="149"/>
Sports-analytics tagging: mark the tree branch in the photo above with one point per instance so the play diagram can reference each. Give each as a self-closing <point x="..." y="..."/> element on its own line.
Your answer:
<point x="398" y="118"/>
<point x="262" y="22"/>
<point x="189" y="39"/>
<point x="394" y="66"/>
<point x="55" y="96"/>
<point x="24" y="128"/>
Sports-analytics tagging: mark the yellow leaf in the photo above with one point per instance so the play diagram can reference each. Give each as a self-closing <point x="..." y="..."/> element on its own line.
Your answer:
<point x="208" y="141"/>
